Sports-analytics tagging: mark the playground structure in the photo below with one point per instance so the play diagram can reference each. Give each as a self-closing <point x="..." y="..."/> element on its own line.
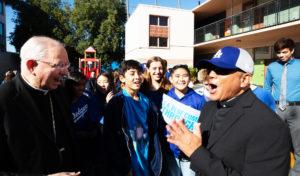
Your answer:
<point x="87" y="64"/>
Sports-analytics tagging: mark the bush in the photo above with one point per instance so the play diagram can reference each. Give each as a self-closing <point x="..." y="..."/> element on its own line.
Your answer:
<point x="193" y="72"/>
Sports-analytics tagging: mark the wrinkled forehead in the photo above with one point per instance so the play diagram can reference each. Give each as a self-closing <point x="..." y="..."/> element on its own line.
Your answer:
<point x="56" y="54"/>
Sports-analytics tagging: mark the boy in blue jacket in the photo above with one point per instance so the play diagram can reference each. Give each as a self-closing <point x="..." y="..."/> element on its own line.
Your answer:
<point x="130" y="130"/>
<point x="180" y="78"/>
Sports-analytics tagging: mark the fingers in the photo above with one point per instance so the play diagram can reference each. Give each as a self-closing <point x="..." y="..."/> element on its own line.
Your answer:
<point x="182" y="125"/>
<point x="177" y="127"/>
<point x="77" y="173"/>
<point x="170" y="130"/>
<point x="66" y="174"/>
<point x="197" y="129"/>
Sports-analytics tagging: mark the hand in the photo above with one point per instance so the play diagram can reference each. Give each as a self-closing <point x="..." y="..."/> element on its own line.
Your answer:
<point x="109" y="96"/>
<point x="65" y="174"/>
<point x="183" y="138"/>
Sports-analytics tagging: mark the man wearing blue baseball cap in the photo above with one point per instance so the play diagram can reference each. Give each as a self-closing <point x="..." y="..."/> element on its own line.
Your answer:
<point x="239" y="134"/>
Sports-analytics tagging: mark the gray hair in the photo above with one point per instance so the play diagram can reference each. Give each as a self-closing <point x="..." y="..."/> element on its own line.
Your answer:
<point x="37" y="48"/>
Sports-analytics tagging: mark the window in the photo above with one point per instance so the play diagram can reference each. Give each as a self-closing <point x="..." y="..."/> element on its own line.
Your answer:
<point x="153" y="20"/>
<point x="262" y="52"/>
<point x="158" y="20"/>
<point x="158" y="41"/>
<point x="153" y="41"/>
<point x="1" y="7"/>
<point x="163" y="42"/>
<point x="1" y="29"/>
<point x="158" y="31"/>
<point x="163" y="21"/>
<point x="2" y="48"/>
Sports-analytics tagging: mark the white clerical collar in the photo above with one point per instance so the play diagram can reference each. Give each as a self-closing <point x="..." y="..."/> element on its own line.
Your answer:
<point x="38" y="89"/>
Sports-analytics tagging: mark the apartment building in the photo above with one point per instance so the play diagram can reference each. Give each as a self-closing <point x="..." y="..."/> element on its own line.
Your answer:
<point x="185" y="37"/>
<point x="160" y="31"/>
<point x="254" y="25"/>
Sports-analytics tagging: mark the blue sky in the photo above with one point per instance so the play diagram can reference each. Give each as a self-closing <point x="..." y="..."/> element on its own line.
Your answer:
<point x="184" y="4"/>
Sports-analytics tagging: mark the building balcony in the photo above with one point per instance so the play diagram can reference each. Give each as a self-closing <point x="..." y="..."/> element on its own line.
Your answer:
<point x="269" y="14"/>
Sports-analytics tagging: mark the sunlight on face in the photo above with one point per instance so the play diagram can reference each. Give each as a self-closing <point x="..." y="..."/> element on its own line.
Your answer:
<point x="103" y="84"/>
<point x="180" y="79"/>
<point x="156" y="71"/>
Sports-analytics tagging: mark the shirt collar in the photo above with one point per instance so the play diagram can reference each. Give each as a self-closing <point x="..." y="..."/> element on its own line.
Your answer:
<point x="228" y="103"/>
<point x="38" y="89"/>
<point x="288" y="62"/>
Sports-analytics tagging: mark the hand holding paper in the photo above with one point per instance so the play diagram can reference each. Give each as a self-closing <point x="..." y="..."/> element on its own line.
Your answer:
<point x="182" y="137"/>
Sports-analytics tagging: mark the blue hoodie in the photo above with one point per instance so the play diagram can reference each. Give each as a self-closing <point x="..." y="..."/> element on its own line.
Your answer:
<point x="192" y="99"/>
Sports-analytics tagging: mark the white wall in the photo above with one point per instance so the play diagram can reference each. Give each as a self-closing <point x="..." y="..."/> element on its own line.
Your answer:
<point x="181" y="35"/>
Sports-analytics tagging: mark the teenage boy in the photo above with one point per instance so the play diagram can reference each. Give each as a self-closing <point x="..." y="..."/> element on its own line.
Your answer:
<point x="130" y="130"/>
<point x="180" y="78"/>
<point x="283" y="81"/>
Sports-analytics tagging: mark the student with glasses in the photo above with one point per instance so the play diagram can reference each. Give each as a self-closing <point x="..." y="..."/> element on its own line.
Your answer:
<point x="36" y="128"/>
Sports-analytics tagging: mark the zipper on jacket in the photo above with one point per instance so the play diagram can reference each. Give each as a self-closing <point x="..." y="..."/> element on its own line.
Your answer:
<point x="157" y="115"/>
<point x="127" y="138"/>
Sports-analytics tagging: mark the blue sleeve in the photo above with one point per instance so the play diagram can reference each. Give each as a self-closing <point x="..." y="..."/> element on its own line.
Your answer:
<point x="266" y="97"/>
<point x="270" y="101"/>
<point x="268" y="81"/>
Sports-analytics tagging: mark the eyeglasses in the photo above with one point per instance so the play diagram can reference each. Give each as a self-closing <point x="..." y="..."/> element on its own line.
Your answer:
<point x="57" y="65"/>
<point x="221" y="71"/>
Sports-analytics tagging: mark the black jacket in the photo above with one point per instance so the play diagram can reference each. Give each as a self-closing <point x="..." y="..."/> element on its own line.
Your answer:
<point x="26" y="138"/>
<point x="116" y="140"/>
<point x="252" y="141"/>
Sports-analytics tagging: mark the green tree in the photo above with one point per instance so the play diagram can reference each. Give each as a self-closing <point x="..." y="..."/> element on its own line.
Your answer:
<point x="97" y="23"/>
<point x="42" y="17"/>
<point x="193" y="72"/>
<point x="100" y="23"/>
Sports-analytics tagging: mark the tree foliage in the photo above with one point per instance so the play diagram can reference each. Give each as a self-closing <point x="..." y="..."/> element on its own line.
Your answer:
<point x="100" y="23"/>
<point x="97" y="23"/>
<point x="39" y="17"/>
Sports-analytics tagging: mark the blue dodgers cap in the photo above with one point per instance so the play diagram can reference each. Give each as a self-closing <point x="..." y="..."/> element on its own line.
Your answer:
<point x="232" y="58"/>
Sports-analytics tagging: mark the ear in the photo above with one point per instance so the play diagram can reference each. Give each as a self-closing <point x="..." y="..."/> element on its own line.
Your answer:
<point x="245" y="79"/>
<point x="122" y="79"/>
<point x="293" y="51"/>
<point x="31" y="65"/>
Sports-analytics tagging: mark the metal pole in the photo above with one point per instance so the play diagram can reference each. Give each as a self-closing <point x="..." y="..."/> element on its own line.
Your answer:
<point x="127" y="7"/>
<point x="179" y="3"/>
<point x="155" y="2"/>
<point x="231" y="7"/>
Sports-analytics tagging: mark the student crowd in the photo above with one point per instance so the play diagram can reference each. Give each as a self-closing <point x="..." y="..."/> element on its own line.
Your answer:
<point x="55" y="121"/>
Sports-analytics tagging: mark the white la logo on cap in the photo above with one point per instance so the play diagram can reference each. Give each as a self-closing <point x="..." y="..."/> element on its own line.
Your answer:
<point x="218" y="54"/>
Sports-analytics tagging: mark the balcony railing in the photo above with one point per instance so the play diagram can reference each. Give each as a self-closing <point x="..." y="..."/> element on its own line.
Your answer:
<point x="268" y="14"/>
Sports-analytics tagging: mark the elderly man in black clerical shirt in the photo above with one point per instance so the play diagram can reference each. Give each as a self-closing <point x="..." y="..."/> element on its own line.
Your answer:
<point x="239" y="134"/>
<point x="36" y="130"/>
